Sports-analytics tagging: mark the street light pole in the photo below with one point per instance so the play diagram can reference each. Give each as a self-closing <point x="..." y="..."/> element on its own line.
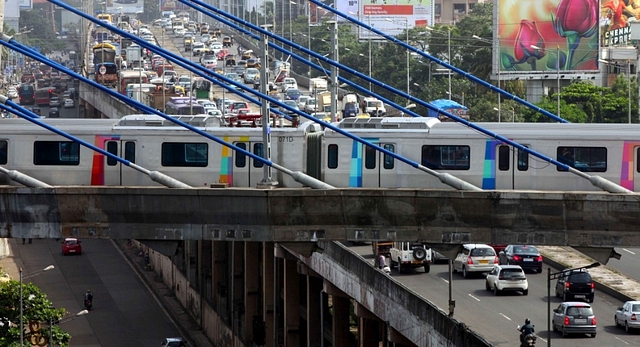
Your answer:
<point x="449" y="58"/>
<point x="334" y="70"/>
<point x="266" y="133"/>
<point x="629" y="87"/>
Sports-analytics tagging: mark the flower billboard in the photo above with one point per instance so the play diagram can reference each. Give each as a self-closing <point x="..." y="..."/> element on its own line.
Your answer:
<point x="548" y="35"/>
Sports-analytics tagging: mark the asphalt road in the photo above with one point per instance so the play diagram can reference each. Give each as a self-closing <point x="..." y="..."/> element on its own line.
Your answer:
<point x="496" y="318"/>
<point x="628" y="264"/>
<point x="124" y="313"/>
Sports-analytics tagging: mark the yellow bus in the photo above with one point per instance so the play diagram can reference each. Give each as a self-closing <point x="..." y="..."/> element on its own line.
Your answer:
<point x="105" y="17"/>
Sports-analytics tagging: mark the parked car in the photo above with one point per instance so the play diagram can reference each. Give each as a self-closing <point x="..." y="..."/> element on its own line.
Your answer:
<point x="475" y="258"/>
<point x="628" y="316"/>
<point x="507" y="278"/>
<point x="528" y="257"/>
<point x="574" y="318"/>
<point x="575" y="284"/>
<point x="71" y="246"/>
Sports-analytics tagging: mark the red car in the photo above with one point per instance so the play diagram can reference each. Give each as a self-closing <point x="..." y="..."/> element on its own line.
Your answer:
<point x="71" y="246"/>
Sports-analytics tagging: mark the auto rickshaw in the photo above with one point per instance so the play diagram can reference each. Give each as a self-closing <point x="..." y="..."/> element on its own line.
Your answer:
<point x="230" y="60"/>
<point x="246" y="55"/>
<point x="227" y="42"/>
<point x="188" y="42"/>
<point x="217" y="32"/>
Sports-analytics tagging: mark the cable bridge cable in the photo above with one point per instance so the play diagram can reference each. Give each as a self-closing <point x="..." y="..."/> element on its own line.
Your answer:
<point x="440" y="62"/>
<point x="597" y="181"/>
<point x="202" y="71"/>
<point x="33" y="118"/>
<point x="296" y="175"/>
<point x="444" y="177"/>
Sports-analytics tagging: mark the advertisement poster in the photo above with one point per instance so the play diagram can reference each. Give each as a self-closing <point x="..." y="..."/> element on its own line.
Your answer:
<point x="317" y="14"/>
<point x="615" y="16"/>
<point x="402" y="14"/>
<point x="548" y="35"/>
<point x="125" y="6"/>
<point x="172" y="5"/>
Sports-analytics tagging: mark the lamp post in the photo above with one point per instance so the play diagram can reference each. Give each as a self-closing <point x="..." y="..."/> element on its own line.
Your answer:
<point x="22" y="277"/>
<point x="629" y="88"/>
<point x="290" y="31"/>
<point x="334" y="69"/>
<point x="266" y="132"/>
<point x="406" y="24"/>
<point x="513" y="114"/>
<point x="448" y="54"/>
<point x="498" y="64"/>
<point x="553" y="276"/>
<point x="61" y="321"/>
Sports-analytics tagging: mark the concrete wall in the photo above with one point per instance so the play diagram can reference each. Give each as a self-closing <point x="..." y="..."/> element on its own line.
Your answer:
<point x="108" y="107"/>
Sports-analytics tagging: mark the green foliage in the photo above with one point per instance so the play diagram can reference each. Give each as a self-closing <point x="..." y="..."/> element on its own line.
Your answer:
<point x="42" y="34"/>
<point x="36" y="307"/>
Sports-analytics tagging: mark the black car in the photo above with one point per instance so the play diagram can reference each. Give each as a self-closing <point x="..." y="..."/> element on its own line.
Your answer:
<point x="575" y="284"/>
<point x="528" y="257"/>
<point x="54" y="112"/>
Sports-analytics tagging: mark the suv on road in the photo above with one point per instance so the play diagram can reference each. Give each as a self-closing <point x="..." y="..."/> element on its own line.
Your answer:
<point x="575" y="284"/>
<point x="410" y="255"/>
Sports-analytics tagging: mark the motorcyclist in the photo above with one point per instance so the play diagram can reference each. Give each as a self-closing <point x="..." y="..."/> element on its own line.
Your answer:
<point x="88" y="298"/>
<point x="526" y="329"/>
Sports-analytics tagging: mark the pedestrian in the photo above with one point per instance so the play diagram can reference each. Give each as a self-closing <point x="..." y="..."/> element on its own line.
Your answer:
<point x="381" y="261"/>
<point x="23" y="239"/>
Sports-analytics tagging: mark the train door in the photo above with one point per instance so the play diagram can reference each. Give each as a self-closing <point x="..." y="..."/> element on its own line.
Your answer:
<point x="511" y="168"/>
<point x="378" y="168"/>
<point x="115" y="173"/>
<point x="247" y="172"/>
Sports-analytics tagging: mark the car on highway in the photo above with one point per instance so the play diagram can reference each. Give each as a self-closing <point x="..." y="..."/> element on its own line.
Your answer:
<point x="575" y="284"/>
<point x="628" y="316"/>
<point x="574" y="318"/>
<point x="71" y="246"/>
<point x="69" y="103"/>
<point x="404" y="255"/>
<point x="288" y="82"/>
<point x="54" y="112"/>
<point x="507" y="278"/>
<point x="291" y="103"/>
<point x="292" y="94"/>
<point x="54" y="101"/>
<point x="209" y="58"/>
<point x="215" y="47"/>
<point x="527" y="256"/>
<point x="12" y="93"/>
<point x="476" y="258"/>
<point x="234" y="77"/>
<point x="302" y="101"/>
<point x="250" y="74"/>
<point x="198" y="47"/>
<point x="311" y="105"/>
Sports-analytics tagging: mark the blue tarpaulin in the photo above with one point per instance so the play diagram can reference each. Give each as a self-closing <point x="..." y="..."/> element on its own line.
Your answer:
<point x="447" y="105"/>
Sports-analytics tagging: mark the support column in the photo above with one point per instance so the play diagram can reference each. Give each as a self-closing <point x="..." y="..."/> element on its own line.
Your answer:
<point x="291" y="303"/>
<point x="238" y="304"/>
<point x="371" y="330"/>
<point x="219" y="279"/>
<point x="314" y="307"/>
<point x="252" y="278"/>
<point x="340" y="325"/>
<point x="268" y="316"/>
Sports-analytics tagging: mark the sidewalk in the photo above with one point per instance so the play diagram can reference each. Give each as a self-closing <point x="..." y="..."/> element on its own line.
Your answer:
<point x="607" y="280"/>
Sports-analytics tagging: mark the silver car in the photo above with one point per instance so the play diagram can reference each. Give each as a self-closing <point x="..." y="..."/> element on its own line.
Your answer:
<point x="574" y="317"/>
<point x="628" y="315"/>
<point x="475" y="258"/>
<point x="250" y="74"/>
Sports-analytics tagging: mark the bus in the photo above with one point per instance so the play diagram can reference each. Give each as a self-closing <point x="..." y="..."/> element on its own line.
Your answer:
<point x="183" y="106"/>
<point x="105" y="17"/>
<point x="43" y="96"/>
<point x="131" y="77"/>
<point x="26" y="93"/>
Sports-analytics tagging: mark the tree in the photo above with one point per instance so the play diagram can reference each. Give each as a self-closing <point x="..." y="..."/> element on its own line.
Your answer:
<point x="36" y="307"/>
<point x="41" y="34"/>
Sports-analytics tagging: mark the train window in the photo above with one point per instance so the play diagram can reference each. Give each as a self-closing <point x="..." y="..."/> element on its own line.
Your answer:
<point x="130" y="151"/>
<point x="445" y="157"/>
<point x="332" y="157"/>
<point x="523" y="160"/>
<point x="585" y="159"/>
<point x="185" y="154"/>
<point x="388" y="160"/>
<point x="369" y="157"/>
<point x="504" y="154"/>
<point x="4" y="147"/>
<point x="56" y="153"/>
<point x="257" y="150"/>
<point x="112" y="147"/>
<point x="637" y="159"/>
<point x="241" y="158"/>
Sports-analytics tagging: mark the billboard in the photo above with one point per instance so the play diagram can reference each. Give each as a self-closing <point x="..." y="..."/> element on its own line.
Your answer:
<point x="128" y="6"/>
<point x="172" y="5"/>
<point x="26" y="4"/>
<point x="402" y="14"/>
<point x="565" y="33"/>
<point x="614" y="21"/>
<point x="317" y="14"/>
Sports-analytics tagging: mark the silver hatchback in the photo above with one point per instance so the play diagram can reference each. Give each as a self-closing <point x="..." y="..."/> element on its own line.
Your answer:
<point x="574" y="317"/>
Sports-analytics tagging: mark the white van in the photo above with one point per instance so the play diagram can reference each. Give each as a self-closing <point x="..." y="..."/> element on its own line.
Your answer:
<point x="349" y="98"/>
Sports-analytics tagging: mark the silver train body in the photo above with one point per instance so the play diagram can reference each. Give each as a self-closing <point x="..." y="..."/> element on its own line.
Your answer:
<point x="607" y="150"/>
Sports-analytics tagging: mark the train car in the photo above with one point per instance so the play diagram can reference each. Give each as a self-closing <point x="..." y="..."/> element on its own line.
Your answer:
<point x="151" y="142"/>
<point x="104" y="59"/>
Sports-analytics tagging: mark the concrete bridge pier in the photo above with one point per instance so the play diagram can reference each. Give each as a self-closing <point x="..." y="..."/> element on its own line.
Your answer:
<point x="314" y="300"/>
<point x="253" y="291"/>
<point x="268" y="303"/>
<point x="371" y="330"/>
<point x="340" y="319"/>
<point x="291" y="301"/>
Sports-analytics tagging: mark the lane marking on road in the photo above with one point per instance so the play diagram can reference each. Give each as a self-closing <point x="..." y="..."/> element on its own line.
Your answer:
<point x="541" y="339"/>
<point x="628" y="251"/>
<point x="445" y="281"/>
<point x="474" y="297"/>
<point x="621" y="340"/>
<point x="505" y="316"/>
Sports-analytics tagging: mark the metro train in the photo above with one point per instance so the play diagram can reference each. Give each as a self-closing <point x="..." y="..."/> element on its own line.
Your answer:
<point x="608" y="150"/>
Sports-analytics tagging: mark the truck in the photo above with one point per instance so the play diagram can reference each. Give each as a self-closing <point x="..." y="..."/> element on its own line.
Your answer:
<point x="324" y="102"/>
<point x="317" y="85"/>
<point x="157" y="99"/>
<point x="384" y="247"/>
<point x="134" y="56"/>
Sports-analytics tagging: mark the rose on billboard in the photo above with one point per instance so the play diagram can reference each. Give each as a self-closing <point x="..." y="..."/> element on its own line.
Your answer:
<point x="573" y="20"/>
<point x="528" y="36"/>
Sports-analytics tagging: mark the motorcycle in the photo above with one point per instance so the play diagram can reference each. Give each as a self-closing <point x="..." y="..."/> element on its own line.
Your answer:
<point x="88" y="304"/>
<point x="529" y="340"/>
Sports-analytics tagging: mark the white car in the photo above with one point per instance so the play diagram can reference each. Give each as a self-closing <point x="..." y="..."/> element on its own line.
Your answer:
<point x="198" y="47"/>
<point x="215" y="47"/>
<point x="288" y="82"/>
<point x="628" y="316"/>
<point x="507" y="278"/>
<point x="69" y="103"/>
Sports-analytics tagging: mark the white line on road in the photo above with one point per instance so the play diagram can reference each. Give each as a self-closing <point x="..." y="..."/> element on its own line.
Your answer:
<point x="445" y="281"/>
<point x="541" y="339"/>
<point x="474" y="297"/>
<point x="621" y="340"/>
<point x="505" y="316"/>
<point x="628" y="251"/>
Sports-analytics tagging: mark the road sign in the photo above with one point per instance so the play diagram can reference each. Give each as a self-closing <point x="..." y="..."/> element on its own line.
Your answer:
<point x="102" y="70"/>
